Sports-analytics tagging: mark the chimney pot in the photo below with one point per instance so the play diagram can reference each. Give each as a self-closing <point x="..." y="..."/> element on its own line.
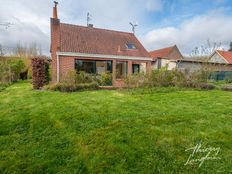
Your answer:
<point x="55" y="16"/>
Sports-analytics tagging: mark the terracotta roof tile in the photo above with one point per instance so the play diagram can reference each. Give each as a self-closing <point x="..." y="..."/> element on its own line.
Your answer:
<point x="74" y="38"/>
<point x="226" y="55"/>
<point x="161" y="53"/>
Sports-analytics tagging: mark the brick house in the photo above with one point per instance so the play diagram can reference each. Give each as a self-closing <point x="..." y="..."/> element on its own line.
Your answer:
<point x="165" y="57"/>
<point x="95" y="51"/>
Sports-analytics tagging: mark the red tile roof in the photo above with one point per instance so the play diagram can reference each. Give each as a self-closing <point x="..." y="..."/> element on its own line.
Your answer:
<point x="227" y="55"/>
<point x="74" y="38"/>
<point x="171" y="53"/>
<point x="161" y="53"/>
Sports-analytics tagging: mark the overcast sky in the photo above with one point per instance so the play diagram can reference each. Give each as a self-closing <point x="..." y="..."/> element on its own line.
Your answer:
<point x="162" y="23"/>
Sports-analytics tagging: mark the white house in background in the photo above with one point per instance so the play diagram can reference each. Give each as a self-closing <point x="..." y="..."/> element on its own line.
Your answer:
<point x="221" y="57"/>
<point x="165" y="57"/>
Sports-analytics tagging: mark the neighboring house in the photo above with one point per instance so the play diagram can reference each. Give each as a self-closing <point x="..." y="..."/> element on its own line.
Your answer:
<point x="218" y="61"/>
<point x="192" y="65"/>
<point x="221" y="57"/>
<point x="165" y="57"/>
<point x="95" y="51"/>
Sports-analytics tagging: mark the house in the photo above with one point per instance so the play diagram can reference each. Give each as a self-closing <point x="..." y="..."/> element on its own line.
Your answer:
<point x="95" y="51"/>
<point x="219" y="61"/>
<point x="221" y="57"/>
<point x="165" y="57"/>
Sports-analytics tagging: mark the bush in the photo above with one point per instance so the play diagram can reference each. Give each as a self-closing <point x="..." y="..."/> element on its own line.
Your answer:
<point x="228" y="79"/>
<point x="105" y="79"/>
<point x="74" y="81"/>
<point x="10" y="69"/>
<point x="206" y="86"/>
<point x="169" y="78"/>
<point x="64" y="87"/>
<point x="40" y="73"/>
<point x="226" y="88"/>
<point x="72" y="77"/>
<point x="135" y="80"/>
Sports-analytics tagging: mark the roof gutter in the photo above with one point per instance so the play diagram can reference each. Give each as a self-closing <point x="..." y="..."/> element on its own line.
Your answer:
<point x="71" y="54"/>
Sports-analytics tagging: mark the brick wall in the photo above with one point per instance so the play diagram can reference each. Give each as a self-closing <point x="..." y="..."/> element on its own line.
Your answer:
<point x="67" y="64"/>
<point x="175" y="54"/>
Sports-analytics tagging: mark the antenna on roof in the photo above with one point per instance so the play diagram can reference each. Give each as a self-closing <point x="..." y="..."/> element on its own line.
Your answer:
<point x="133" y="26"/>
<point x="88" y="19"/>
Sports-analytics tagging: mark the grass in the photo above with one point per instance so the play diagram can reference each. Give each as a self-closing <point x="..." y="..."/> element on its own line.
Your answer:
<point x="112" y="131"/>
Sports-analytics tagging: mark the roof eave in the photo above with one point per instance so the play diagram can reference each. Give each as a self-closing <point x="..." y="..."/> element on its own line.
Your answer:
<point x="76" y="54"/>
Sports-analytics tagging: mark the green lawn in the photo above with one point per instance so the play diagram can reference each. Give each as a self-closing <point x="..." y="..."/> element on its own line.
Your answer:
<point x="112" y="131"/>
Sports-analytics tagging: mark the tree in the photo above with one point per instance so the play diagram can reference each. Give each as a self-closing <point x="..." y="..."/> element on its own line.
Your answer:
<point x="202" y="52"/>
<point x="20" y="50"/>
<point x="230" y="47"/>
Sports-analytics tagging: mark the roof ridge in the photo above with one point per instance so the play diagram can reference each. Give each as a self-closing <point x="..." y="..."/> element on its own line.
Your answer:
<point x="124" y="32"/>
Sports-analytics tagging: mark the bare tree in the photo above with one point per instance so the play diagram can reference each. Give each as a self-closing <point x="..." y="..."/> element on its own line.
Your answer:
<point x="29" y="51"/>
<point x="204" y="51"/>
<point x="32" y="50"/>
<point x="20" y="50"/>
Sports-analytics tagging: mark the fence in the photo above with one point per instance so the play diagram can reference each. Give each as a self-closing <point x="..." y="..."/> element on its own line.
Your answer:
<point x="221" y="75"/>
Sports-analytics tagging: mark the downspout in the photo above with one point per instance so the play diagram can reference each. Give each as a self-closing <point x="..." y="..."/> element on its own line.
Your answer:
<point x="57" y="68"/>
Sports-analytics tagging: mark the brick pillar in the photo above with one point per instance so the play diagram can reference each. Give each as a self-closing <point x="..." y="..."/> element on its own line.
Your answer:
<point x="129" y="67"/>
<point x="113" y="72"/>
<point x="148" y="67"/>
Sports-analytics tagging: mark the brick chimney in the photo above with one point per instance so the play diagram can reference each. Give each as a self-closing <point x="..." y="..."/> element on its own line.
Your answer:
<point x="55" y="16"/>
<point x="55" y="40"/>
<point x="55" y="30"/>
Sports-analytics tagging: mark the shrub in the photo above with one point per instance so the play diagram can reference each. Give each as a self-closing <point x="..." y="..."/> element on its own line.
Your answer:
<point x="64" y="87"/>
<point x="72" y="77"/>
<point x="135" y="80"/>
<point x="226" y="88"/>
<point x="73" y="81"/>
<point x="169" y="78"/>
<point x="228" y="79"/>
<point x="105" y="79"/>
<point x="40" y="74"/>
<point x="206" y="86"/>
<point x="10" y="69"/>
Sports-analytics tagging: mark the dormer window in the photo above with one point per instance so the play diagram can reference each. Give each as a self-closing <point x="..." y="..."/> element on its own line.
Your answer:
<point x="130" y="46"/>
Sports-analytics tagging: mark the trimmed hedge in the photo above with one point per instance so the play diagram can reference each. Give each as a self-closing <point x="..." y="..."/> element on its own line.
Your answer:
<point x="40" y="74"/>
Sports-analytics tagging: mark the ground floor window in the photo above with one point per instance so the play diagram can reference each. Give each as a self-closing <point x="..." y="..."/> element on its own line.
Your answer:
<point x="121" y="70"/>
<point x="93" y="66"/>
<point x="135" y="68"/>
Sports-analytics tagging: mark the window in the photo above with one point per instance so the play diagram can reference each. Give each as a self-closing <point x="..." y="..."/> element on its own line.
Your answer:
<point x="121" y="70"/>
<point x="93" y="66"/>
<point x="135" y="68"/>
<point x="130" y="46"/>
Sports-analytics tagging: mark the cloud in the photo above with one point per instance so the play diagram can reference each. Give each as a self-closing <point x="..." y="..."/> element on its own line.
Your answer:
<point x="32" y="18"/>
<point x="32" y="21"/>
<point x="214" y="26"/>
